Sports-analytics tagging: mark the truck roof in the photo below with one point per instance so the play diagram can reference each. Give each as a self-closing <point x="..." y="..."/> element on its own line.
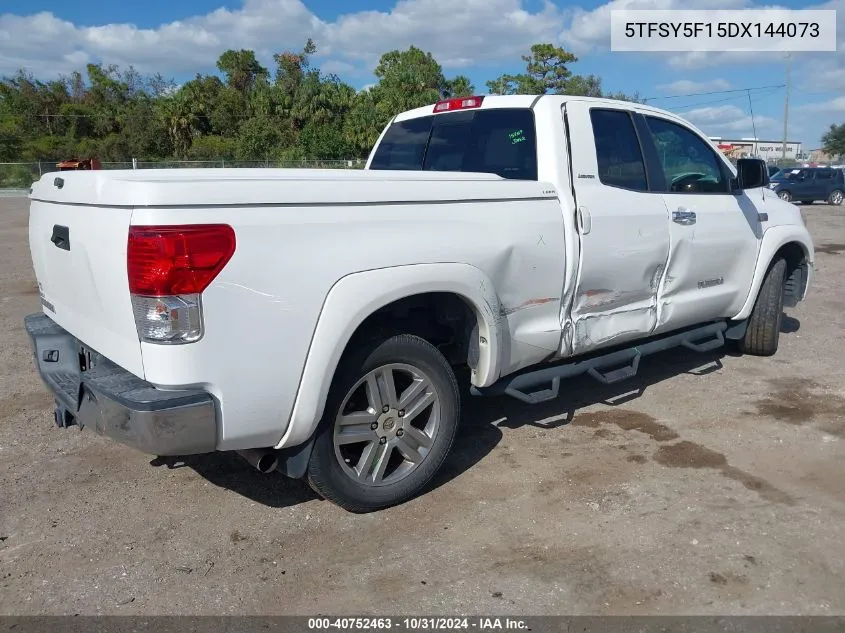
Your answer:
<point x="527" y="101"/>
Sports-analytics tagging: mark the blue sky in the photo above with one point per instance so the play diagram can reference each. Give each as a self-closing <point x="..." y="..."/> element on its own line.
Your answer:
<point x="479" y="38"/>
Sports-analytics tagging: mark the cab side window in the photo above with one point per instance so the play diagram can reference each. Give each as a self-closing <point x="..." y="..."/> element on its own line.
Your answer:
<point x="689" y="163"/>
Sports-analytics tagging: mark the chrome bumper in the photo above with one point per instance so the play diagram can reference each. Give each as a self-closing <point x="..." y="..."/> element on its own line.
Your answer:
<point x="116" y="403"/>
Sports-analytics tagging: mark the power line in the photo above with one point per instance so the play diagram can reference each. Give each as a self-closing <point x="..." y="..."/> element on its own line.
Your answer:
<point x="712" y="92"/>
<point x="733" y="98"/>
<point x="751" y="109"/>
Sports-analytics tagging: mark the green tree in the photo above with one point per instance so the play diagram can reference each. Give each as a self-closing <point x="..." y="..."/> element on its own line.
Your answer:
<point x="324" y="141"/>
<point x="291" y="67"/>
<point x="547" y="72"/>
<point x="292" y="112"/>
<point x="212" y="148"/>
<point x="180" y="122"/>
<point x="10" y="141"/>
<point x="833" y="141"/>
<point x="229" y="108"/>
<point x="364" y="122"/>
<point x="459" y="86"/>
<point x="408" y="79"/>
<point x="261" y="138"/>
<point x="144" y="131"/>
<point x="241" y="69"/>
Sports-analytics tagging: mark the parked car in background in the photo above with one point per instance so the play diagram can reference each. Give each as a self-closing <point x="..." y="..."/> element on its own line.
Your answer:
<point x="808" y="184"/>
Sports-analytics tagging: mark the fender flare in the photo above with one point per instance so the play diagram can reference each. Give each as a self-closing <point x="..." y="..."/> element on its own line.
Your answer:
<point x="355" y="297"/>
<point x="773" y="240"/>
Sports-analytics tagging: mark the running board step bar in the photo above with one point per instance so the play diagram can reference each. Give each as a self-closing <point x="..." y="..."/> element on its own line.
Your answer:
<point x="607" y="369"/>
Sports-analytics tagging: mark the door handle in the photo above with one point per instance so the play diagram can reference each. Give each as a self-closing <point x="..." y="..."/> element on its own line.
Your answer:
<point x="683" y="216"/>
<point x="61" y="237"/>
<point x="583" y="219"/>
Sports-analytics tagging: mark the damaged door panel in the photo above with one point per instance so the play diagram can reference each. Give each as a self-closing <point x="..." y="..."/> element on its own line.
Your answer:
<point x="715" y="233"/>
<point x="528" y="297"/>
<point x="624" y="254"/>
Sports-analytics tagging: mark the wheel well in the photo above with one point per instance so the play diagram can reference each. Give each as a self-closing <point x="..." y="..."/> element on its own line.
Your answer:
<point x="444" y="319"/>
<point x="796" y="272"/>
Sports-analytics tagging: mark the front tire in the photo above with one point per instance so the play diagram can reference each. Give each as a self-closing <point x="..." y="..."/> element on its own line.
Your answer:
<point x="786" y="196"/>
<point x="763" y="333"/>
<point x="389" y="423"/>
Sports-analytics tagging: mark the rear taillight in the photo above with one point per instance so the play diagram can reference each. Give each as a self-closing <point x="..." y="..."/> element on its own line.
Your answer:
<point x="172" y="260"/>
<point x="168" y="268"/>
<point x="458" y="103"/>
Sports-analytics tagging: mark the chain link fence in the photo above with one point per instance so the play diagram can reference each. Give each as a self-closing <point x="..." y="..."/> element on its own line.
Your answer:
<point x="22" y="175"/>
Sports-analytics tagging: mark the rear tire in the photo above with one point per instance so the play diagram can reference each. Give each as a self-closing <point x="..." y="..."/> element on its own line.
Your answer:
<point x="835" y="198"/>
<point x="404" y="432"/>
<point x="763" y="332"/>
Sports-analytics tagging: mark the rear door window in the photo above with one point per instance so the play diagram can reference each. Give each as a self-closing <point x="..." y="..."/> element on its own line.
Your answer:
<point x="618" y="154"/>
<point x="501" y="141"/>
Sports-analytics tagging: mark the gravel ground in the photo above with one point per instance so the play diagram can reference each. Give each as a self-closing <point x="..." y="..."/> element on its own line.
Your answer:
<point x="710" y="484"/>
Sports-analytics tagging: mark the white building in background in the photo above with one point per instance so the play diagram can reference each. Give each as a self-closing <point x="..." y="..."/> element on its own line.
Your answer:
<point x="752" y="147"/>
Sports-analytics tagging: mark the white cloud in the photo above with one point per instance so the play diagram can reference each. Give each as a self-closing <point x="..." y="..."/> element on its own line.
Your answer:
<point x="833" y="106"/>
<point x="729" y="120"/>
<point x="46" y="44"/>
<point x="687" y="86"/>
<point x="458" y="34"/>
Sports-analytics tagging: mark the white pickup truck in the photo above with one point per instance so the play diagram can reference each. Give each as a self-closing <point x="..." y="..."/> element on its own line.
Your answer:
<point x="312" y="320"/>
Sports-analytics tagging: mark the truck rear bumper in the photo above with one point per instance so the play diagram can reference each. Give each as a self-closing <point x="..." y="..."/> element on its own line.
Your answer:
<point x="90" y="390"/>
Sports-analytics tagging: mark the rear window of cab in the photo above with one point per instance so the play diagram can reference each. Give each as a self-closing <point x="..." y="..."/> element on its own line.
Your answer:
<point x="498" y="141"/>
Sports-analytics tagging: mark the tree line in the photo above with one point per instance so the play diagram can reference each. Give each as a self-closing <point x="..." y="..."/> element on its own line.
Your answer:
<point x="289" y="112"/>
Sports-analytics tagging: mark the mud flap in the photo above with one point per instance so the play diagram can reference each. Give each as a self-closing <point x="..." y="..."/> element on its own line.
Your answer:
<point x="293" y="461"/>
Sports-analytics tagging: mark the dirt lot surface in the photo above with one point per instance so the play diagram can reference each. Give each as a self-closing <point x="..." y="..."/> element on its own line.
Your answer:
<point x="712" y="484"/>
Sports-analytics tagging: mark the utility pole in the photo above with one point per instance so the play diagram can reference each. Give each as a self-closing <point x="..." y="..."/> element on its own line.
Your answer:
<point x="786" y="108"/>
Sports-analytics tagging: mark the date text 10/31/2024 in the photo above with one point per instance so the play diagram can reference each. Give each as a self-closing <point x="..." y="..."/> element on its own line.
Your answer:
<point x="417" y="624"/>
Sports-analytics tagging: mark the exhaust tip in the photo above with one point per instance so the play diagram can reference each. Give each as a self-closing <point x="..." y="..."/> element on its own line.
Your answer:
<point x="267" y="463"/>
<point x="264" y="460"/>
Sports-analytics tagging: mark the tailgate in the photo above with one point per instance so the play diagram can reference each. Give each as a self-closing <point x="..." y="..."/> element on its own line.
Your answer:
<point x="79" y="256"/>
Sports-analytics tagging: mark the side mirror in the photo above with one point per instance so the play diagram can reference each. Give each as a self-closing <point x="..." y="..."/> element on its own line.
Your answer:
<point x="751" y="173"/>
